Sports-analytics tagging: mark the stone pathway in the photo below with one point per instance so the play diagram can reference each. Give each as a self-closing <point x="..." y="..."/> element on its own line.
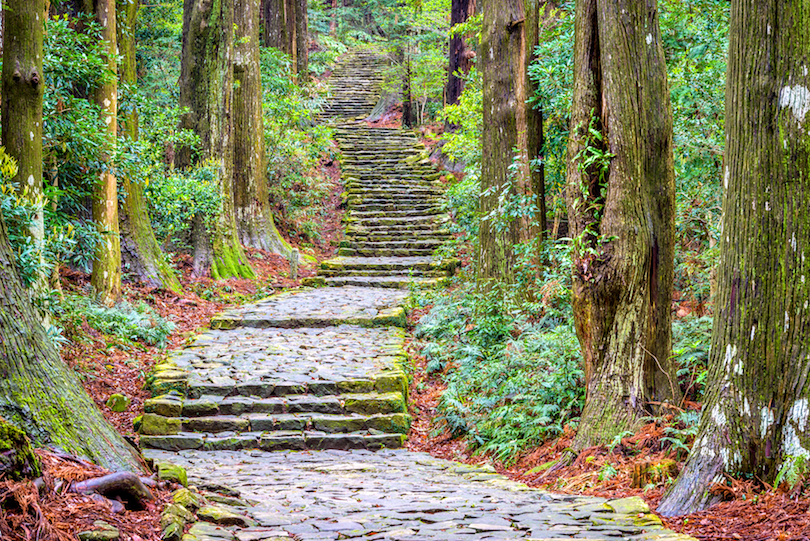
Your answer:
<point x="293" y="410"/>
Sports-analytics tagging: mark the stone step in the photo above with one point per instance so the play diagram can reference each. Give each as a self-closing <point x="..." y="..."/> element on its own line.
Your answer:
<point x="337" y="404"/>
<point x="274" y="441"/>
<point x="432" y="213"/>
<point x="158" y="425"/>
<point x="392" y="205"/>
<point x="385" y="252"/>
<point x="388" y="282"/>
<point x="383" y="272"/>
<point x="388" y="263"/>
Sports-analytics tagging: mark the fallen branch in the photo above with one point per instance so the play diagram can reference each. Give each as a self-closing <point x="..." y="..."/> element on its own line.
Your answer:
<point x="125" y="485"/>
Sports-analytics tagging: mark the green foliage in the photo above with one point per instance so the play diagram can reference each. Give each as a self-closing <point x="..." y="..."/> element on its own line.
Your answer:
<point x="179" y="196"/>
<point x="139" y="323"/>
<point x="793" y="471"/>
<point x="682" y="432"/>
<point x="691" y="338"/>
<point x="512" y="381"/>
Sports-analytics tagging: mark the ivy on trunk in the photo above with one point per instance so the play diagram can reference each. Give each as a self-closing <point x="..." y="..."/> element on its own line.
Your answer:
<point x="620" y="195"/>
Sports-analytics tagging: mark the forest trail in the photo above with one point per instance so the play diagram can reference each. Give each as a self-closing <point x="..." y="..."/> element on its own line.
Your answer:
<point x="298" y="403"/>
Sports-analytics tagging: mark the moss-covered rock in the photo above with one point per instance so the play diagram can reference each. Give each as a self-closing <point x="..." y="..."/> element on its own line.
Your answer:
<point x="118" y="402"/>
<point x="188" y="499"/>
<point x="158" y="425"/>
<point x="220" y="515"/>
<point x="17" y="458"/>
<point x="172" y="472"/>
<point x="102" y="532"/>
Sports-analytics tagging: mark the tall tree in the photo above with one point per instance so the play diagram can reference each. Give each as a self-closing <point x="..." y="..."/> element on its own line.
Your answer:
<point x="301" y="40"/>
<point x="275" y="24"/>
<point x="508" y="39"/>
<point x="140" y="250"/>
<point x="621" y="199"/>
<point x="106" y="277"/>
<point x="206" y="89"/>
<point x="755" y="415"/>
<point x="23" y="90"/>
<point x="251" y="197"/>
<point x="459" y="54"/>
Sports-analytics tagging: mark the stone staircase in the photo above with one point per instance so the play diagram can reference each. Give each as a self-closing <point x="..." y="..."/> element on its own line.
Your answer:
<point x="307" y="369"/>
<point x="355" y="85"/>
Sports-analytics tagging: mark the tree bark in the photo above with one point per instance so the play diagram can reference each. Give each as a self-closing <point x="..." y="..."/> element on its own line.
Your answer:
<point x="275" y="24"/>
<point x="140" y="251"/>
<point x="206" y="88"/>
<point x="39" y="393"/>
<point x="251" y="196"/>
<point x="459" y="55"/>
<point x="106" y="276"/>
<point x="508" y="40"/>
<point x="621" y="215"/>
<point x="291" y="33"/>
<point x="755" y="416"/>
<point x="23" y="90"/>
<point x="301" y="40"/>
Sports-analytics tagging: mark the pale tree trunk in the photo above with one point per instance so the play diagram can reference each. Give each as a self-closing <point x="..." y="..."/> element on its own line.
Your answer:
<point x="755" y="416"/>
<point x="621" y="215"/>
<point x="38" y="392"/>
<point x="140" y="251"/>
<point x="106" y="276"/>
<point x="333" y="18"/>
<point x="459" y="55"/>
<point x="23" y="88"/>
<point x="301" y="40"/>
<point x="206" y="88"/>
<point x="251" y="197"/>
<point x="507" y="43"/>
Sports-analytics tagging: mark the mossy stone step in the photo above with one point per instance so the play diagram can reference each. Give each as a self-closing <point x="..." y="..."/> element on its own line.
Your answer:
<point x="274" y="441"/>
<point x="386" y="272"/>
<point x="208" y="405"/>
<point x="387" y="263"/>
<point x="385" y="252"/>
<point x="391" y="282"/>
<point x="155" y="425"/>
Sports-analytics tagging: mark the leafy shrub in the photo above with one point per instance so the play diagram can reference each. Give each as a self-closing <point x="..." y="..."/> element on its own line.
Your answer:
<point x="139" y="323"/>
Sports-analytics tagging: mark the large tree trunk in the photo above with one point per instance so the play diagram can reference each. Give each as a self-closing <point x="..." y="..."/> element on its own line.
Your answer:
<point x="301" y="40"/>
<point x="140" y="252"/>
<point x="755" y="416"/>
<point x="38" y="392"/>
<point x="621" y="214"/>
<point x="106" y="276"/>
<point x="253" y="214"/>
<point x="206" y="88"/>
<point x="460" y="56"/>
<point x="290" y="34"/>
<point x="23" y="88"/>
<point x="508" y="40"/>
<point x="275" y="24"/>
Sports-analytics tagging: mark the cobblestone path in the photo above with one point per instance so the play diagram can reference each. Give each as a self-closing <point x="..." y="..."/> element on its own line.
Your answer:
<point x="295" y="407"/>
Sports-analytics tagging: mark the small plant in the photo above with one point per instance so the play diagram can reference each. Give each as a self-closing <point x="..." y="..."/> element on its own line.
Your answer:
<point x="792" y="472"/>
<point x="607" y="472"/>
<point x="683" y="433"/>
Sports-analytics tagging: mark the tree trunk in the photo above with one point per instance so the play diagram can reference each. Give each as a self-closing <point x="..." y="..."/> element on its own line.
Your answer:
<point x="301" y="40"/>
<point x="38" y="392"/>
<point x="140" y="251"/>
<point x="459" y="54"/>
<point x="206" y="88"/>
<point x="275" y="24"/>
<point x="106" y="276"/>
<point x="508" y="40"/>
<point x="253" y="213"/>
<point x="23" y="88"/>
<point x="755" y="416"/>
<point x="290" y="34"/>
<point x="621" y="215"/>
<point x="333" y="17"/>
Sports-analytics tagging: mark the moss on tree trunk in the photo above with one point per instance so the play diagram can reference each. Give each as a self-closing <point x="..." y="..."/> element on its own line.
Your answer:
<point x="755" y="414"/>
<point x="206" y="88"/>
<point x="251" y="196"/>
<point x="508" y="40"/>
<point x="23" y="88"/>
<point x="39" y="393"/>
<point x="301" y="40"/>
<point x="621" y="214"/>
<point x="140" y="252"/>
